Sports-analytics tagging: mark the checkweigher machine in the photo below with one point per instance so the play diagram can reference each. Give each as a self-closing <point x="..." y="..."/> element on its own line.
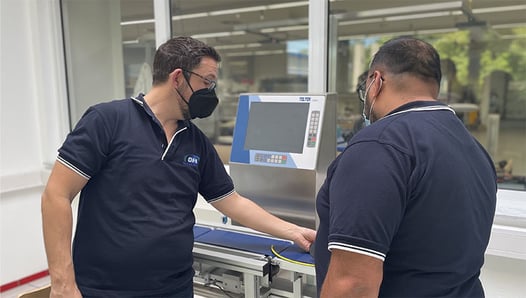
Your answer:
<point x="282" y="147"/>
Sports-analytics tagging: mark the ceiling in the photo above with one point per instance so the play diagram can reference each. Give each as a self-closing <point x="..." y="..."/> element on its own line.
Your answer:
<point x="266" y="23"/>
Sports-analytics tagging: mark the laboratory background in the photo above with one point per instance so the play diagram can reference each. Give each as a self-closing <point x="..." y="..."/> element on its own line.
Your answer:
<point x="58" y="57"/>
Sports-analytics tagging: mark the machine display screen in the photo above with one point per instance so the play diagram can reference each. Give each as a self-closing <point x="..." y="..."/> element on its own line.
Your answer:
<point x="277" y="126"/>
<point x="279" y="130"/>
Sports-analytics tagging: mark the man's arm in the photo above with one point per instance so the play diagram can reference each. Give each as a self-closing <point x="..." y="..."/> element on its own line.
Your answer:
<point x="57" y="222"/>
<point x="253" y="216"/>
<point x="352" y="275"/>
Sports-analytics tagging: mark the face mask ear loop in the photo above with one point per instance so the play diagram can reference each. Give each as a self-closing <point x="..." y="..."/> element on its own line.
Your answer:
<point x="188" y="81"/>
<point x="182" y="97"/>
<point x="365" y="100"/>
<point x="372" y="104"/>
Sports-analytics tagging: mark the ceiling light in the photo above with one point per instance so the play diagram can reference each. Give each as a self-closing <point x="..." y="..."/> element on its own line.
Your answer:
<point x="288" y="5"/>
<point x="513" y="36"/>
<point x="190" y="16"/>
<point x="499" y="9"/>
<point x="238" y="54"/>
<point x="400" y="33"/>
<point x="412" y="8"/>
<point x="237" y="10"/>
<point x="358" y="22"/>
<point x="237" y="46"/>
<point x="137" y="22"/>
<point x="255" y="53"/>
<point x="283" y="29"/>
<point x="420" y="16"/>
<point x="505" y="26"/>
<point x="134" y="41"/>
<point x="218" y="34"/>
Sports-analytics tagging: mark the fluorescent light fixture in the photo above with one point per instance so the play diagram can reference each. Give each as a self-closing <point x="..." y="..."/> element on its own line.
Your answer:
<point x="218" y="34"/>
<point x="293" y="28"/>
<point x="137" y="22"/>
<point x="412" y="8"/>
<point x="271" y="52"/>
<point x="230" y="46"/>
<point x="436" y="31"/>
<point x="389" y="34"/>
<point x="283" y="29"/>
<point x="237" y="46"/>
<point x="135" y="41"/>
<point x="499" y="9"/>
<point x="506" y="26"/>
<point x="255" y="53"/>
<point x="239" y="54"/>
<point x="237" y="10"/>
<point x="190" y="16"/>
<point x="259" y="8"/>
<point x="224" y="12"/>
<point x="420" y="16"/>
<point x="514" y="36"/>
<point x="288" y="5"/>
<point x="358" y="22"/>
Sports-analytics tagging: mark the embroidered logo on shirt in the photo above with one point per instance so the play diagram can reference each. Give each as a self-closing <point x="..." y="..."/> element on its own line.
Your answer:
<point x="191" y="160"/>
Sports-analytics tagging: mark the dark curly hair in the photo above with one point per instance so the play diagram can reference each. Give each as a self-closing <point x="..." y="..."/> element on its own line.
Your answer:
<point x="180" y="52"/>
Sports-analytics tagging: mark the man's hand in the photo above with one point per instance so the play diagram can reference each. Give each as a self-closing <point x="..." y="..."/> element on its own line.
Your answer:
<point x="304" y="237"/>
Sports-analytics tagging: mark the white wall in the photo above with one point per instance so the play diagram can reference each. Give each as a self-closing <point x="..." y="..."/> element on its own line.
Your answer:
<point x="33" y="123"/>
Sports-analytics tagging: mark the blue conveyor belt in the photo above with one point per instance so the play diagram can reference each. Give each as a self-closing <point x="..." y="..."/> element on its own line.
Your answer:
<point x="250" y="243"/>
<point x="297" y="254"/>
<point x="199" y="230"/>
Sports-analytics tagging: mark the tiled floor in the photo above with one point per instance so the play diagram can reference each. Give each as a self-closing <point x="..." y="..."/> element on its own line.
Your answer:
<point x="13" y="293"/>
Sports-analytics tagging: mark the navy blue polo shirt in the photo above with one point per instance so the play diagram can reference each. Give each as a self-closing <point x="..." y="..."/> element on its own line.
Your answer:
<point x="416" y="191"/>
<point x="134" y="234"/>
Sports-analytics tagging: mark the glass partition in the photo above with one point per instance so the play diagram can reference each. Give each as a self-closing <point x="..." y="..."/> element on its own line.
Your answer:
<point x="263" y="45"/>
<point x="110" y="46"/>
<point x="482" y="47"/>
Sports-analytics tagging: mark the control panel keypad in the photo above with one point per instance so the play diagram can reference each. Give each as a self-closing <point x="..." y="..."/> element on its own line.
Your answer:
<point x="271" y="158"/>
<point x="313" y="129"/>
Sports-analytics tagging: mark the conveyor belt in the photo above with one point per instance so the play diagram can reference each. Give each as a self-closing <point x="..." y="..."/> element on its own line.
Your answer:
<point x="250" y="243"/>
<point x="199" y="230"/>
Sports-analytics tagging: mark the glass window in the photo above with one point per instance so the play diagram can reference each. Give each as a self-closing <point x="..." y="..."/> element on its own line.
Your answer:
<point x="263" y="45"/>
<point x="109" y="47"/>
<point x="483" y="63"/>
<point x="138" y="45"/>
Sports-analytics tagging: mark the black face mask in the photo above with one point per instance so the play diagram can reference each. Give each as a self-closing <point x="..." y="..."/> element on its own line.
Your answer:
<point x="202" y="103"/>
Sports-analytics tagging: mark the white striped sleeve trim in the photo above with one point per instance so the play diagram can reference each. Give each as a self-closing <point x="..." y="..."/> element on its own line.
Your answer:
<point x="357" y="249"/>
<point x="221" y="197"/>
<point x="72" y="167"/>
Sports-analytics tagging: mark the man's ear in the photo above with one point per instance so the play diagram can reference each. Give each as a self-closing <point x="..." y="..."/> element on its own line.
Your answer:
<point x="176" y="77"/>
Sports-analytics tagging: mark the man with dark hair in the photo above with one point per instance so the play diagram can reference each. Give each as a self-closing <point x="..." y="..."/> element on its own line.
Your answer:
<point x="139" y="164"/>
<point x="407" y="209"/>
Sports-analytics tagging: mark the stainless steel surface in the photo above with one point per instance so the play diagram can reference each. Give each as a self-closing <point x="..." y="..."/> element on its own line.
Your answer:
<point x="287" y="193"/>
<point x="237" y="260"/>
<point x="291" y="193"/>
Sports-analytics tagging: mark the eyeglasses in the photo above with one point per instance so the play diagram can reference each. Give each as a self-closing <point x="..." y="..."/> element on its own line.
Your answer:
<point x="211" y="84"/>
<point x="362" y="88"/>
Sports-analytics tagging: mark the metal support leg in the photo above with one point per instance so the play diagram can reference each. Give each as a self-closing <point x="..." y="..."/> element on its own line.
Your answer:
<point x="297" y="285"/>
<point x="252" y="286"/>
